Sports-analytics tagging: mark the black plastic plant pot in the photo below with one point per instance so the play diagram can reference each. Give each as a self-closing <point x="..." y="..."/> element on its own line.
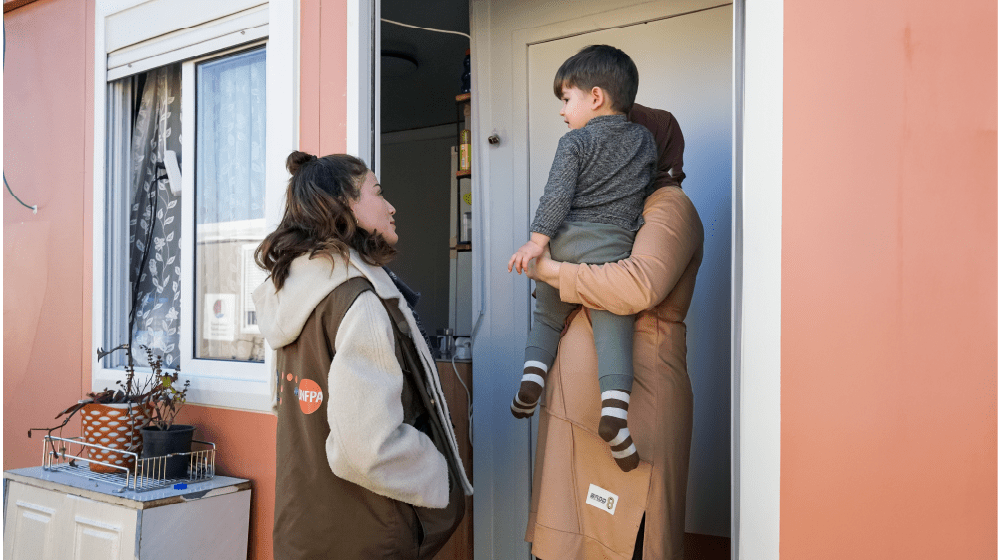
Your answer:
<point x="159" y="443"/>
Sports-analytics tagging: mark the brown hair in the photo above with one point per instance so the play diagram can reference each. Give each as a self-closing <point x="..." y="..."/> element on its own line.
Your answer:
<point x="601" y="66"/>
<point x="318" y="218"/>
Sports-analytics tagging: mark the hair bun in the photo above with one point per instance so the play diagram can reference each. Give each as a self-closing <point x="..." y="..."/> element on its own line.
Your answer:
<point x="296" y="160"/>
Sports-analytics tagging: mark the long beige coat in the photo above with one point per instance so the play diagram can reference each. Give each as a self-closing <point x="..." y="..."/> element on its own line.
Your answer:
<point x="656" y="283"/>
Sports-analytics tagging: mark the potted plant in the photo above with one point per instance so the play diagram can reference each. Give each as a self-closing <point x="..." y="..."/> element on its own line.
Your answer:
<point x="161" y="437"/>
<point x="112" y="418"/>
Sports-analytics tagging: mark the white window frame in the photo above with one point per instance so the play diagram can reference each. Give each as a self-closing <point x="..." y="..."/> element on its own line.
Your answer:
<point x="238" y="385"/>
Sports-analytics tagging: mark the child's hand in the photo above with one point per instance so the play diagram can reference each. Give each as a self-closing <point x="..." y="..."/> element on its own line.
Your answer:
<point x="523" y="256"/>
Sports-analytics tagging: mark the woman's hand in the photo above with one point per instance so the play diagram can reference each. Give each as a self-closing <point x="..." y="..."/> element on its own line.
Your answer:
<point x="544" y="269"/>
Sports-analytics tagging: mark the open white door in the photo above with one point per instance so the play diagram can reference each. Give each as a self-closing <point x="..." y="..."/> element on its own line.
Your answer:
<point x="684" y="51"/>
<point x="685" y="67"/>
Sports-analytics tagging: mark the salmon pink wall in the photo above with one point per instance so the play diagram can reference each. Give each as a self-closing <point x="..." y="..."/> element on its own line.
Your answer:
<point x="323" y="76"/>
<point x="889" y="280"/>
<point x="246" y="445"/>
<point x="47" y="272"/>
<point x="48" y="160"/>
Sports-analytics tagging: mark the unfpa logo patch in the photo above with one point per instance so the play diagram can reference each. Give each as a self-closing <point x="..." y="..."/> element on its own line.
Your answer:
<point x="310" y="396"/>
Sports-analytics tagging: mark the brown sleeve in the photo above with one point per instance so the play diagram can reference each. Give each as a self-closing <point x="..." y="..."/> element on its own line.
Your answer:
<point x="664" y="247"/>
<point x="669" y="144"/>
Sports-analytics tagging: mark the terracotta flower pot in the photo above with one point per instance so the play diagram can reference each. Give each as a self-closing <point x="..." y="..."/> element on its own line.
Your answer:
<point x="116" y="426"/>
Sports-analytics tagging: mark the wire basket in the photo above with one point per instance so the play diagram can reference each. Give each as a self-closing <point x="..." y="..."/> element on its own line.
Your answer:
<point x="73" y="456"/>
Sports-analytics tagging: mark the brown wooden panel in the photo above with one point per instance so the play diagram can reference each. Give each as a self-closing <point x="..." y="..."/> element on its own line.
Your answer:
<point x="459" y="547"/>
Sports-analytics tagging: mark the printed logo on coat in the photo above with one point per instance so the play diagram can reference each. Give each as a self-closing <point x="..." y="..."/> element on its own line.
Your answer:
<point x="310" y="396"/>
<point x="602" y="499"/>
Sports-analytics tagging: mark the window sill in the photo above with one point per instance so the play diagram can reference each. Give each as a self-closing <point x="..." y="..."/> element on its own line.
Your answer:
<point x="222" y="391"/>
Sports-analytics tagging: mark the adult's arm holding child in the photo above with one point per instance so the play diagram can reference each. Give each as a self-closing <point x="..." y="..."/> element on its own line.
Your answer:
<point x="665" y="247"/>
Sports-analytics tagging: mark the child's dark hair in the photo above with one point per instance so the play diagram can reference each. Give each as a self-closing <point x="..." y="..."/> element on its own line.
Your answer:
<point x="318" y="218"/>
<point x="601" y="66"/>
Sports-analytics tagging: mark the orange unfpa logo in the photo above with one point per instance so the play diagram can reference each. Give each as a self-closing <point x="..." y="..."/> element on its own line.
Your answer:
<point x="310" y="396"/>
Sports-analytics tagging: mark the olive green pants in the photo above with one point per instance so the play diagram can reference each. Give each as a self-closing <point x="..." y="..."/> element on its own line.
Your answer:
<point x="589" y="243"/>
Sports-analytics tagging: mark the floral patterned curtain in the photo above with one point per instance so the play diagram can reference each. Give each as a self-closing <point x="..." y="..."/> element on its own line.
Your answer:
<point x="155" y="218"/>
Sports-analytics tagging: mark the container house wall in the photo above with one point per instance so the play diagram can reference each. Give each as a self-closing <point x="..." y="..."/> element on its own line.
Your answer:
<point x="889" y="281"/>
<point x="48" y="154"/>
<point x="889" y="265"/>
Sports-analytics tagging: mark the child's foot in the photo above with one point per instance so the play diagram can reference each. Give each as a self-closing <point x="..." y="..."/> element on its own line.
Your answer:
<point x="614" y="429"/>
<point x="532" y="383"/>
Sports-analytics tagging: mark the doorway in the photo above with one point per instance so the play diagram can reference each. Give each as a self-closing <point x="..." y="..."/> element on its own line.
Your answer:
<point x="420" y="127"/>
<point x="685" y="66"/>
<point x="668" y="43"/>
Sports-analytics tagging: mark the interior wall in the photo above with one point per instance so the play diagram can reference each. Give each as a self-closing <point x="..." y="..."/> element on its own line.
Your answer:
<point x="46" y="255"/>
<point x="416" y="179"/>
<point x="889" y="281"/>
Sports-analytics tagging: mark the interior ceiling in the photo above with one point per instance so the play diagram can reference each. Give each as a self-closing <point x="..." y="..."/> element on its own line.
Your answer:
<point x="422" y="96"/>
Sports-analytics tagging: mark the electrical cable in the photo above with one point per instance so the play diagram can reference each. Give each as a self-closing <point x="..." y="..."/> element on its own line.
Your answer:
<point x="467" y="392"/>
<point x="466" y="35"/>
<point x="34" y="209"/>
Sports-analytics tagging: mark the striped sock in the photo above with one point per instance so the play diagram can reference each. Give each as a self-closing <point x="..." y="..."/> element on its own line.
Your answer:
<point x="614" y="429"/>
<point x="532" y="383"/>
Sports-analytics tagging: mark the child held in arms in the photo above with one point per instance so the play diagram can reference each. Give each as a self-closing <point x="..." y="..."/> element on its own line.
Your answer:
<point x="589" y="213"/>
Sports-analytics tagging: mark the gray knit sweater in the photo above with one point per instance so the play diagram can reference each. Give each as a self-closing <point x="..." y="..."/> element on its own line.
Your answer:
<point x="598" y="175"/>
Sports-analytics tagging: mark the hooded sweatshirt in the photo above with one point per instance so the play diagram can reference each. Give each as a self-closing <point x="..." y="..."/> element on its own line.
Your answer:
<point x="368" y="442"/>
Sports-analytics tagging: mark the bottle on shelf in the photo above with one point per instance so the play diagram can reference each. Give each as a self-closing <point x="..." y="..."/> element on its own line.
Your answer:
<point x="465" y="151"/>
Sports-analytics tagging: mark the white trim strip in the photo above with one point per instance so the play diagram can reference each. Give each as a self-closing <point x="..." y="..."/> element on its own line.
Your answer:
<point x="615" y="412"/>
<point x="146" y="20"/>
<point x="521" y="409"/>
<point x="758" y="304"/>
<point x="539" y="365"/>
<point x="234" y="39"/>
<point x="620" y="438"/>
<point x="524" y="404"/>
<point x="617" y="395"/>
<point x="534" y="378"/>
<point x="181" y="39"/>
<point x="623" y="453"/>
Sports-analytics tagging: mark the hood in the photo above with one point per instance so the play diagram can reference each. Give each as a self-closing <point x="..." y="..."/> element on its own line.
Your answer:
<point x="282" y="314"/>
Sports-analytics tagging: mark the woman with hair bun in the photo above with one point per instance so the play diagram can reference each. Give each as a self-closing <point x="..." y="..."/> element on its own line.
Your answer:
<point x="368" y="464"/>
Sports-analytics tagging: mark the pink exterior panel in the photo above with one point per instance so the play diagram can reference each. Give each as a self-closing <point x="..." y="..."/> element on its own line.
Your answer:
<point x="889" y="264"/>
<point x="889" y="281"/>
<point x="48" y="261"/>
<point x="48" y="131"/>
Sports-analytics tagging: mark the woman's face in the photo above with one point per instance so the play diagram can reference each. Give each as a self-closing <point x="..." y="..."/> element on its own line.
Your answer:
<point x="373" y="211"/>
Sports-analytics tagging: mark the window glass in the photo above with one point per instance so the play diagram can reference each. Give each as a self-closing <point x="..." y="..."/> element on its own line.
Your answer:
<point x="229" y="205"/>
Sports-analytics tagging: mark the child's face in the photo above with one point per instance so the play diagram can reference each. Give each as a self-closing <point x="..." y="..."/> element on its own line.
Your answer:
<point x="578" y="106"/>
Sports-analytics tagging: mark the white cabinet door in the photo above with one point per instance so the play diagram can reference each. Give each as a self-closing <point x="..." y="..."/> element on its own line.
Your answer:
<point x="101" y="530"/>
<point x="44" y="524"/>
<point x="30" y="530"/>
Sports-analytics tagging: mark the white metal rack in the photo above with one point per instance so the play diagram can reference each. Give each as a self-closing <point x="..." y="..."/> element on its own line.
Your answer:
<point x="70" y="455"/>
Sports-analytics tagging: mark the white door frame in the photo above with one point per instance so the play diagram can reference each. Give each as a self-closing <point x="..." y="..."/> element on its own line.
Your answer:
<point x="758" y="30"/>
<point x="501" y="494"/>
